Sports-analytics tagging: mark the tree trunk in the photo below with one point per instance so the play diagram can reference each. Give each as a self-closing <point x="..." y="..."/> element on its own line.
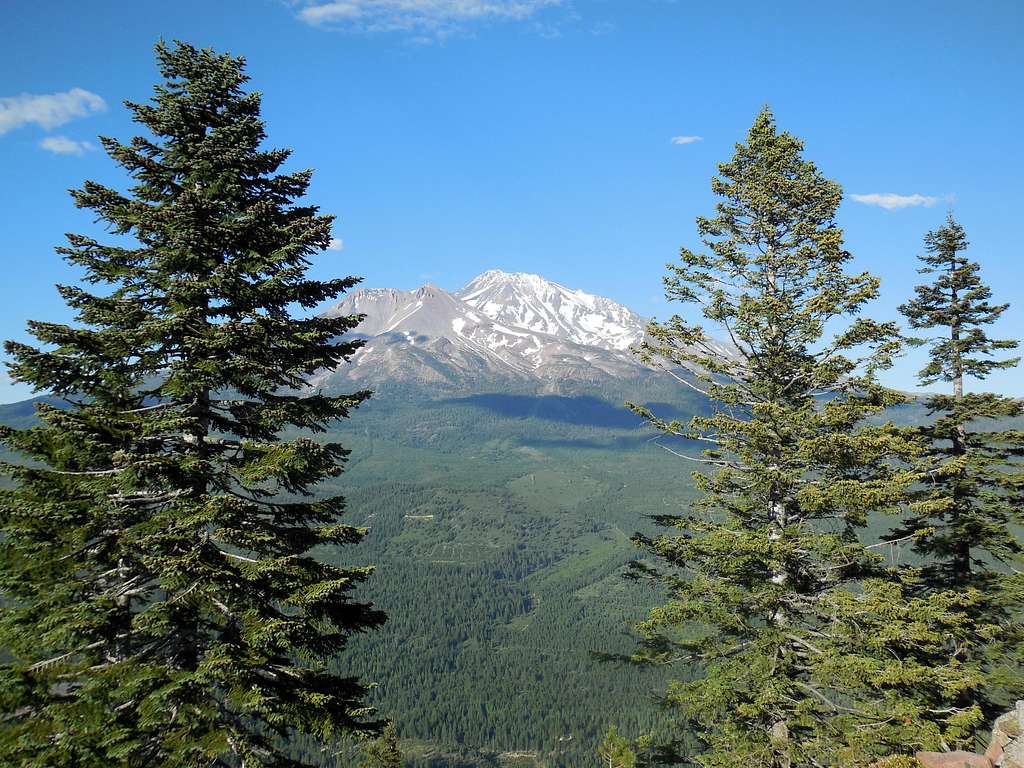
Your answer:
<point x="189" y="653"/>
<point x="962" y="552"/>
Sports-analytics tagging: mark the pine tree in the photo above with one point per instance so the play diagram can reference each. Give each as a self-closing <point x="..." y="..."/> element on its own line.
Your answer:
<point x="616" y="751"/>
<point x="971" y="500"/>
<point x="797" y="642"/>
<point x="163" y="604"/>
<point x="384" y="751"/>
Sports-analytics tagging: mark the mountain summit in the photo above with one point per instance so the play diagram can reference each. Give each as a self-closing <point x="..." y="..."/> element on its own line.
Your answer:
<point x="532" y="302"/>
<point x="501" y="328"/>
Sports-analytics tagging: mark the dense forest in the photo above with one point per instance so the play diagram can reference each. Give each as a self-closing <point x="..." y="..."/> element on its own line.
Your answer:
<point x="499" y="528"/>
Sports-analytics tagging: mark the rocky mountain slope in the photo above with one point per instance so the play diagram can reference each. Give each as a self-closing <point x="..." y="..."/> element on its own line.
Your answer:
<point x="529" y="301"/>
<point x="512" y="329"/>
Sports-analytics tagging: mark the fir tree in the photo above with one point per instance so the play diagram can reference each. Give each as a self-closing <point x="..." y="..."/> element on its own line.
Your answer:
<point x="616" y="751"/>
<point x="163" y="605"/>
<point x="969" y="505"/>
<point x="797" y="642"/>
<point x="384" y="751"/>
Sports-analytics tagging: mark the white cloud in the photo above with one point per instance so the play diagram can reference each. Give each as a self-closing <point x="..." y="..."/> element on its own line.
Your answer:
<point x="47" y="110"/>
<point x="686" y="139"/>
<point x="433" y="17"/>
<point x="891" y="201"/>
<point x="62" y="145"/>
<point x="330" y="12"/>
<point x="337" y="244"/>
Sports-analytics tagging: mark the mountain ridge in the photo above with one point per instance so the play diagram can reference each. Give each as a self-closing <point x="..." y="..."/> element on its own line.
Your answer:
<point x="530" y="301"/>
<point x="513" y="328"/>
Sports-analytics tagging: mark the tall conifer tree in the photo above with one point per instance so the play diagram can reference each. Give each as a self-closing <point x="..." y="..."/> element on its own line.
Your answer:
<point x="799" y="641"/>
<point x="161" y="601"/>
<point x="971" y="500"/>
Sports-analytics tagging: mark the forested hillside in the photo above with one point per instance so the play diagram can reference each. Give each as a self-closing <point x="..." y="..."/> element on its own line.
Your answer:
<point x="501" y="538"/>
<point x="499" y="526"/>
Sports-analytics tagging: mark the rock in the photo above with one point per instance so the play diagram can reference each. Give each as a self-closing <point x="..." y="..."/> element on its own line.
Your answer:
<point x="1006" y="728"/>
<point x="1013" y="754"/>
<point x="953" y="760"/>
<point x="994" y="751"/>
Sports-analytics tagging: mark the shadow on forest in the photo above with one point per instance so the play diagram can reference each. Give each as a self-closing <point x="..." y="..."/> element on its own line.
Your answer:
<point x="582" y="410"/>
<point x="597" y="445"/>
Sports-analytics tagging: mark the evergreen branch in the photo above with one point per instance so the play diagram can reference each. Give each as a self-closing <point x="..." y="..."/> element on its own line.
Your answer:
<point x="40" y="665"/>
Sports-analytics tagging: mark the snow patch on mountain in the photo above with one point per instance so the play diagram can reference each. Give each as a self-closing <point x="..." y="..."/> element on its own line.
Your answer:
<point x="514" y="326"/>
<point x="532" y="302"/>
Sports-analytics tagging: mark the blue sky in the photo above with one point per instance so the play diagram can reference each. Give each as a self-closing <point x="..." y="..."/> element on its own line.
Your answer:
<point x="454" y="136"/>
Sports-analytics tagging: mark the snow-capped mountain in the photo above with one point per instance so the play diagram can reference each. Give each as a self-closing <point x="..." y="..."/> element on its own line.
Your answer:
<point x="499" y="327"/>
<point x="529" y="301"/>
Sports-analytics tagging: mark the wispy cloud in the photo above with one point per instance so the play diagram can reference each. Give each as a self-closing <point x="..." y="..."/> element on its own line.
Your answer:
<point x="47" y="110"/>
<point x="891" y="201"/>
<point x="433" y="18"/>
<point x="686" y="139"/>
<point x="337" y="244"/>
<point x="62" y="145"/>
